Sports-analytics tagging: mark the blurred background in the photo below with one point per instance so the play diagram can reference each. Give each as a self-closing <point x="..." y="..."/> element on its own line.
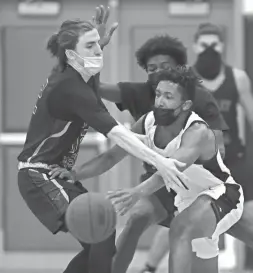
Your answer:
<point x="25" y="245"/>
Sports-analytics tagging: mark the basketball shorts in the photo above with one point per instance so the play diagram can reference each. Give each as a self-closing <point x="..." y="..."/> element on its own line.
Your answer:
<point x="48" y="199"/>
<point x="227" y="204"/>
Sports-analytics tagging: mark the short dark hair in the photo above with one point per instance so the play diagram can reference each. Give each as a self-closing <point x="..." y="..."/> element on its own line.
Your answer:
<point x="161" y="45"/>
<point x="184" y="76"/>
<point x="208" y="28"/>
<point x="67" y="38"/>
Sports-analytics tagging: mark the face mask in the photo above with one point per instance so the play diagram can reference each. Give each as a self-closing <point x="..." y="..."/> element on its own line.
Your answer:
<point x="165" y="117"/>
<point x="209" y="64"/>
<point x="91" y="65"/>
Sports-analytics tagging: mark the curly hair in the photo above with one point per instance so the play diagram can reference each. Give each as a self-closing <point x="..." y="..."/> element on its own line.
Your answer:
<point x="184" y="76"/>
<point x="161" y="45"/>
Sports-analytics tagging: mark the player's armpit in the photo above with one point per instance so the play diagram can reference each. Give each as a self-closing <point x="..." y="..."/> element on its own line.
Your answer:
<point x="220" y="142"/>
<point x="101" y="163"/>
<point x="110" y="92"/>
<point x="194" y="142"/>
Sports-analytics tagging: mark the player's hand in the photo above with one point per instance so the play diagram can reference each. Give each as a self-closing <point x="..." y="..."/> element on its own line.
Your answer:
<point x="62" y="173"/>
<point x="169" y="170"/>
<point x="100" y="20"/>
<point x="123" y="200"/>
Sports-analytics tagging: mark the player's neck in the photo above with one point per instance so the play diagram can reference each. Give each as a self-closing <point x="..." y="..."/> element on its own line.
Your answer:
<point x="80" y="70"/>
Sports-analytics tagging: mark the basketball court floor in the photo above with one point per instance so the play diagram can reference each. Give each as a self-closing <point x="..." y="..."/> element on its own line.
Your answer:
<point x="135" y="267"/>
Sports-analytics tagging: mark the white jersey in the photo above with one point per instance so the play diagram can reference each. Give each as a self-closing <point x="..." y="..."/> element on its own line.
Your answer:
<point x="201" y="177"/>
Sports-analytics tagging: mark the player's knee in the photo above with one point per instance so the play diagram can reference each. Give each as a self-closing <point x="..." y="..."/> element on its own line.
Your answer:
<point x="140" y="218"/>
<point x="180" y="229"/>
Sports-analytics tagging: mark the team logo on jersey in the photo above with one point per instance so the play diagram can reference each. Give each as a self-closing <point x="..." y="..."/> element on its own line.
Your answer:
<point x="69" y="160"/>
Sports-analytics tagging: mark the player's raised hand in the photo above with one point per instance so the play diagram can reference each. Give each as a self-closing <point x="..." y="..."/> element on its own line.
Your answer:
<point x="169" y="169"/>
<point x="100" y="21"/>
<point x="62" y="173"/>
<point x="123" y="200"/>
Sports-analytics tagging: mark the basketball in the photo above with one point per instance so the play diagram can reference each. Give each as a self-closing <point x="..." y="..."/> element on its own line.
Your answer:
<point x="91" y="218"/>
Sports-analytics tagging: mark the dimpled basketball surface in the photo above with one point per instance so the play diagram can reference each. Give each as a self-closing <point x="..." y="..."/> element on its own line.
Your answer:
<point x="91" y="218"/>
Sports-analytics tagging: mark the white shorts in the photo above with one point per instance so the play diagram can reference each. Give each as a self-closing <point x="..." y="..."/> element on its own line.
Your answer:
<point x="228" y="207"/>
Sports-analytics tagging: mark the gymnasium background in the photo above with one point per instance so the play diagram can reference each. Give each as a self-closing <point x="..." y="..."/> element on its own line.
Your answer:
<point x="25" y="245"/>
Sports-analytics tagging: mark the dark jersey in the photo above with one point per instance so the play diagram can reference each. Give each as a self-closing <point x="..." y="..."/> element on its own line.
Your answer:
<point x="138" y="99"/>
<point x="227" y="99"/>
<point x="65" y="109"/>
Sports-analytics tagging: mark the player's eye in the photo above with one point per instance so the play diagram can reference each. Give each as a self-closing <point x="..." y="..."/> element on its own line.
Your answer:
<point x="151" y="68"/>
<point x="166" y="66"/>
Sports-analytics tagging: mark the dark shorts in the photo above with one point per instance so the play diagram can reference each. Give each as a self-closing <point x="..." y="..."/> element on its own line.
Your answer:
<point x="48" y="199"/>
<point x="242" y="173"/>
<point x="166" y="199"/>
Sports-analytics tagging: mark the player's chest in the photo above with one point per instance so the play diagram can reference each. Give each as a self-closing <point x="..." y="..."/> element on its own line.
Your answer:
<point x="165" y="140"/>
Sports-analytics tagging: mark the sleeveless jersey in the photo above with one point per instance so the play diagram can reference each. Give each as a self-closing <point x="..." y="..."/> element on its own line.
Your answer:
<point x="227" y="98"/>
<point x="201" y="176"/>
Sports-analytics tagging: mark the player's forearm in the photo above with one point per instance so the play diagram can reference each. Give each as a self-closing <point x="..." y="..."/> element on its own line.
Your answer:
<point x="129" y="142"/>
<point x="94" y="167"/>
<point x="100" y="164"/>
<point x="149" y="186"/>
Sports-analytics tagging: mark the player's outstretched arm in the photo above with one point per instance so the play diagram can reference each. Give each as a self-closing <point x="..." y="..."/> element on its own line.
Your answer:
<point x="194" y="144"/>
<point x="110" y="92"/>
<point x="196" y="141"/>
<point x="94" y="167"/>
<point x="99" y="164"/>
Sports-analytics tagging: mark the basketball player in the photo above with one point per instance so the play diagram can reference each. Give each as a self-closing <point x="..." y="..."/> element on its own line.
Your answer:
<point x="229" y="87"/>
<point x="156" y="54"/>
<point x="67" y="106"/>
<point x="175" y="132"/>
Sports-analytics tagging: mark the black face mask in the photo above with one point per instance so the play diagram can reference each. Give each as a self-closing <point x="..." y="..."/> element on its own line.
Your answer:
<point x="209" y="64"/>
<point x="165" y="117"/>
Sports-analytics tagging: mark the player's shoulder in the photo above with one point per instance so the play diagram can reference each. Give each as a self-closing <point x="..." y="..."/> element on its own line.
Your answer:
<point x="239" y="74"/>
<point x="198" y="128"/>
<point x="203" y="92"/>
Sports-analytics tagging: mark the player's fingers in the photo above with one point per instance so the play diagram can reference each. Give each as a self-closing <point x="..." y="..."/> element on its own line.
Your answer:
<point x="102" y="14"/>
<point x="54" y="166"/>
<point x="113" y="28"/>
<point x="64" y="174"/>
<point x="125" y="209"/>
<point x="120" y="200"/>
<point x="54" y="170"/>
<point x="55" y="174"/>
<point x="116" y="194"/>
<point x="98" y="12"/>
<point x="106" y="15"/>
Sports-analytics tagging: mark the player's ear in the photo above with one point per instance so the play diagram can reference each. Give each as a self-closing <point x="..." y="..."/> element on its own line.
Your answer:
<point x="70" y="54"/>
<point x="187" y="105"/>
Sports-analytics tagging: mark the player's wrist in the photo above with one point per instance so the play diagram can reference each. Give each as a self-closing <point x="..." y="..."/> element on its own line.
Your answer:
<point x="74" y="175"/>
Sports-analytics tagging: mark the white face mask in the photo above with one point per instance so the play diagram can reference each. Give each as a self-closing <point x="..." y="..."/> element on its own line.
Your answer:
<point x="91" y="65"/>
